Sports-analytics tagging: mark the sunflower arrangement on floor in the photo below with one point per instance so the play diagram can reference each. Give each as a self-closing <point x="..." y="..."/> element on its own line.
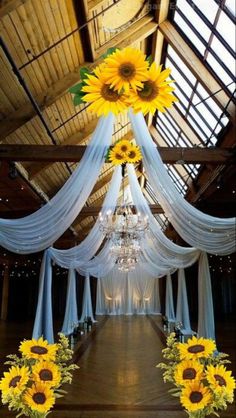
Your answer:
<point x="203" y="383"/>
<point x="34" y="380"/>
<point x="122" y="152"/>
<point x="126" y="78"/>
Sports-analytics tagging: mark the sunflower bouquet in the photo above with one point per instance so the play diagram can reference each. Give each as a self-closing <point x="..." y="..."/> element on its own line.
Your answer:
<point x="202" y="382"/>
<point x="122" y="152"/>
<point x="126" y="78"/>
<point x="34" y="380"/>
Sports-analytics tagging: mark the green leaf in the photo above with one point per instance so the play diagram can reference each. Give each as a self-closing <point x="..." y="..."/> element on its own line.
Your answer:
<point x="109" y="52"/>
<point x="76" y="89"/>
<point x="77" y="99"/>
<point x="149" y="59"/>
<point x="84" y="71"/>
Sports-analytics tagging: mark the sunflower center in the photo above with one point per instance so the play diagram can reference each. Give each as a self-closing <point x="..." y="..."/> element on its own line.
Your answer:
<point x="14" y="381"/>
<point x="197" y="348"/>
<point x="149" y="91"/>
<point x="189" y="373"/>
<point x="220" y="380"/>
<point x="127" y="71"/>
<point x="196" y="397"/>
<point x="132" y="154"/>
<point x="45" y="374"/>
<point x="39" y="398"/>
<point x="109" y="94"/>
<point x="37" y="349"/>
<point x="119" y="156"/>
<point x="124" y="148"/>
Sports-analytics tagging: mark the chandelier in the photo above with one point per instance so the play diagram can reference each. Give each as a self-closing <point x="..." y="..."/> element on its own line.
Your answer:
<point x="125" y="229"/>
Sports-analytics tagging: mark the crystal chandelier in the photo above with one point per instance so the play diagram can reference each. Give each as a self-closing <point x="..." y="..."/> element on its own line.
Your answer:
<point x="125" y="229"/>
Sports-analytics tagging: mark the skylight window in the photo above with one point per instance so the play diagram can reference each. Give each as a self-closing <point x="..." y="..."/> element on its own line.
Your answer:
<point x="210" y="28"/>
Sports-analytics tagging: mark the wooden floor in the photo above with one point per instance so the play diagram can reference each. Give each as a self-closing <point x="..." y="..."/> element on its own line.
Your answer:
<point x="117" y="376"/>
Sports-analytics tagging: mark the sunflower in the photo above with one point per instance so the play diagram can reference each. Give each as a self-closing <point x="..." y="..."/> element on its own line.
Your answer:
<point x="134" y="155"/>
<point x="39" y="398"/>
<point x="116" y="157"/>
<point x="220" y="379"/>
<point x="196" y="348"/>
<point x="188" y="370"/>
<point x="123" y="146"/>
<point x="47" y="372"/>
<point x="14" y="381"/>
<point x="126" y="68"/>
<point x="195" y="396"/>
<point x="103" y="97"/>
<point x="156" y="93"/>
<point x="38" y="349"/>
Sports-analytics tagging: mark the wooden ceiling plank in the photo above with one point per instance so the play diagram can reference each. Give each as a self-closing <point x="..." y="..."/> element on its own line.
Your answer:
<point x="198" y="69"/>
<point x="64" y="153"/>
<point x="7" y="6"/>
<point x="21" y="116"/>
<point x="135" y="33"/>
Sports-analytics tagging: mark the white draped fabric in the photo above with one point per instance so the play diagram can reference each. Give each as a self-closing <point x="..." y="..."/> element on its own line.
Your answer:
<point x="127" y="293"/>
<point x="206" y="324"/>
<point x="205" y="232"/>
<point x="71" y="312"/>
<point x="43" y="324"/>
<point x="182" y="310"/>
<point x="87" y="309"/>
<point x="169" y="311"/>
<point x="42" y="228"/>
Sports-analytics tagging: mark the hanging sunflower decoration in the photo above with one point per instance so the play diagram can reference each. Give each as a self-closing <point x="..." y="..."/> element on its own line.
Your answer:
<point x="126" y="78"/>
<point x="155" y="94"/>
<point x="34" y="380"/>
<point x="122" y="152"/>
<point x="201" y="380"/>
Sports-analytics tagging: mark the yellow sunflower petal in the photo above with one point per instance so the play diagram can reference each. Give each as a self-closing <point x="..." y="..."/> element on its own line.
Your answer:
<point x="46" y="372"/>
<point x="39" y="398"/>
<point x="15" y="380"/>
<point x="196" y="348"/>
<point x="195" y="396"/>
<point x="38" y="349"/>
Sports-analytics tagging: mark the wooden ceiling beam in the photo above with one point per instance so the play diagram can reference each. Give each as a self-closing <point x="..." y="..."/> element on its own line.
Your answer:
<point x="66" y="153"/>
<point x="137" y="32"/>
<point x="196" y="66"/>
<point x="36" y="168"/>
<point x="76" y="139"/>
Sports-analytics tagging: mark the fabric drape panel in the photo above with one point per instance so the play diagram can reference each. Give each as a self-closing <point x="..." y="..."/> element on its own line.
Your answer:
<point x="43" y="324"/>
<point x="127" y="293"/>
<point x="87" y="309"/>
<point x="206" y="324"/>
<point x="205" y="232"/>
<point x="42" y="228"/>
<point x="182" y="310"/>
<point x="169" y="311"/>
<point x="71" y="313"/>
<point x="79" y="257"/>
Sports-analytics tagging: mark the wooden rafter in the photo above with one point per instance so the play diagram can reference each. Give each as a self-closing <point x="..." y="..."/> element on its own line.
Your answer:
<point x="8" y="6"/>
<point x="144" y="27"/>
<point x="63" y="153"/>
<point x="76" y="139"/>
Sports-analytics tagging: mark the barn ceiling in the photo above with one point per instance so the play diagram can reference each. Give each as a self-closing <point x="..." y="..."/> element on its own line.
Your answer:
<point x="44" y="43"/>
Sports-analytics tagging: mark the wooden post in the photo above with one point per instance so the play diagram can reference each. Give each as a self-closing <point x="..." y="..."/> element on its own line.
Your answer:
<point x="5" y="293"/>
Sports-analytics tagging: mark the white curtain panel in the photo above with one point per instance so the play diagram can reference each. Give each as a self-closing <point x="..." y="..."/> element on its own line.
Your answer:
<point x="87" y="308"/>
<point x="130" y="293"/>
<point x="42" y="228"/>
<point x="71" y="312"/>
<point x="207" y="233"/>
<point x="182" y="309"/>
<point x="169" y="310"/>
<point x="206" y="324"/>
<point x="43" y="324"/>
